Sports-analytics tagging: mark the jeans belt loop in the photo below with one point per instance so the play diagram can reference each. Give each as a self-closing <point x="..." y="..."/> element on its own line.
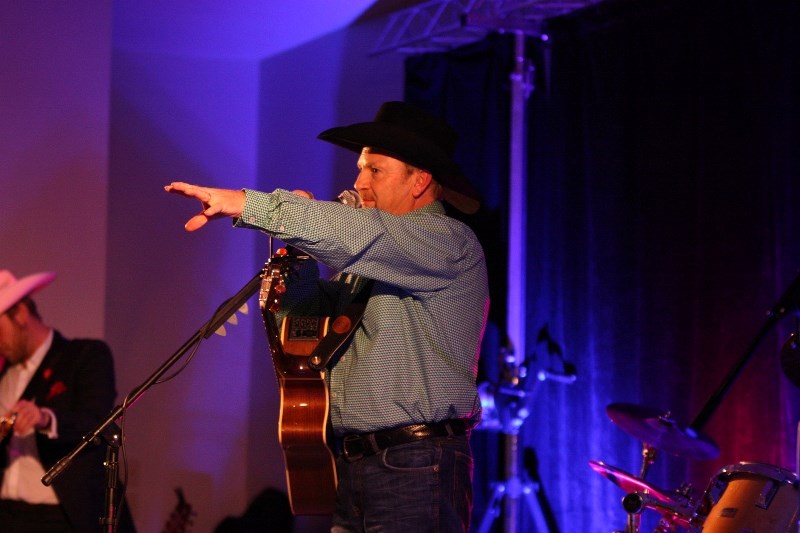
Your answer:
<point x="373" y="444"/>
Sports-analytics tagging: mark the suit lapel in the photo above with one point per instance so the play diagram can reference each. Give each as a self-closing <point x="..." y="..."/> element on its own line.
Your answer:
<point x="43" y="377"/>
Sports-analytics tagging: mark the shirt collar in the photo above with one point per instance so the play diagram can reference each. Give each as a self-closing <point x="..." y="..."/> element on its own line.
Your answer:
<point x="433" y="207"/>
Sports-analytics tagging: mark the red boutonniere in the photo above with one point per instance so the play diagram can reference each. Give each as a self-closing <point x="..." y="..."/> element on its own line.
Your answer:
<point x="47" y="374"/>
<point x="55" y="389"/>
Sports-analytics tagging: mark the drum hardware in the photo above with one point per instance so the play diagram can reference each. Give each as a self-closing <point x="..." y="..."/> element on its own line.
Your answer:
<point x="673" y="513"/>
<point x="658" y="431"/>
<point x="648" y="458"/>
<point x="675" y="507"/>
<point x="628" y="482"/>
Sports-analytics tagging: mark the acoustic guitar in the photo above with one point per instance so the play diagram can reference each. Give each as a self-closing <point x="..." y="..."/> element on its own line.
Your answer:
<point x="304" y="408"/>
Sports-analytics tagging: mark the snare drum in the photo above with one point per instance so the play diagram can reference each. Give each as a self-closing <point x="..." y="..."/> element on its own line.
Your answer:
<point x="751" y="497"/>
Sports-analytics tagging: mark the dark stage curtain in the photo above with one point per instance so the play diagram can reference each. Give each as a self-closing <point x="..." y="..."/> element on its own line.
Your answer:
<point x="663" y="224"/>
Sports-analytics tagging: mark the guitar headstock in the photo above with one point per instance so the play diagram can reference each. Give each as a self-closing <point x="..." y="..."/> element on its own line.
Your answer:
<point x="273" y="281"/>
<point x="273" y="284"/>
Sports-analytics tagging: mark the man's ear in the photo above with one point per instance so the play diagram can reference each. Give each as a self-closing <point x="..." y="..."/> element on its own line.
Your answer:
<point x="422" y="181"/>
<point x="19" y="314"/>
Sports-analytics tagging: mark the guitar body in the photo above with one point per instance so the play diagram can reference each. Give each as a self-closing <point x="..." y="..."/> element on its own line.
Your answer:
<point x="310" y="465"/>
<point x="304" y="408"/>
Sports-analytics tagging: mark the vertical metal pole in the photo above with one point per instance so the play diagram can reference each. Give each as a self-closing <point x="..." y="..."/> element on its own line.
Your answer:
<point x="517" y="193"/>
<point x="513" y="487"/>
<point x="517" y="206"/>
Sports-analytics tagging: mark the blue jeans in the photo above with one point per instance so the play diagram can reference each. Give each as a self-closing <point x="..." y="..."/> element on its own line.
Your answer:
<point x="423" y="486"/>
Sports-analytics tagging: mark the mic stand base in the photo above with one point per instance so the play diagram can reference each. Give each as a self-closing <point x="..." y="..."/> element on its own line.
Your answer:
<point x="512" y="488"/>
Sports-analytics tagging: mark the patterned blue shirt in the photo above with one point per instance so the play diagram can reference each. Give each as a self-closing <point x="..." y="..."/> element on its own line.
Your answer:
<point x="414" y="357"/>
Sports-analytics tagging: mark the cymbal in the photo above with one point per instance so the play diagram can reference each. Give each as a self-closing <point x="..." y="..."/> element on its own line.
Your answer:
<point x="657" y="428"/>
<point x="674" y="506"/>
<point x="627" y="482"/>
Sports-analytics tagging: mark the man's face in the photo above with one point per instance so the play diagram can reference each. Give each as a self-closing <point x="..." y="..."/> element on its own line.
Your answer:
<point x="12" y="339"/>
<point x="385" y="183"/>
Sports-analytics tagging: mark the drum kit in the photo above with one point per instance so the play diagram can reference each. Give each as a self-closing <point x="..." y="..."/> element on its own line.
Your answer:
<point x="746" y="497"/>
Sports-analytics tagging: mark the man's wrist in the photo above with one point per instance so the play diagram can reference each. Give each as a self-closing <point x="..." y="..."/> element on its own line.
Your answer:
<point x="45" y="420"/>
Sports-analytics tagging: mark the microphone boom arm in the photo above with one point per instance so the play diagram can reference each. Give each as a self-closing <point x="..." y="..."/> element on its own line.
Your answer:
<point x="222" y="314"/>
<point x="790" y="300"/>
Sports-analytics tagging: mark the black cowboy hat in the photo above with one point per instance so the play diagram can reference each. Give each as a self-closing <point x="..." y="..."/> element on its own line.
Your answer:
<point x="416" y="137"/>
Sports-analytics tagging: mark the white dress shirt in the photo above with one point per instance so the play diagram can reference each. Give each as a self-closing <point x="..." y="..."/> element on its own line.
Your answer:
<point x="22" y="478"/>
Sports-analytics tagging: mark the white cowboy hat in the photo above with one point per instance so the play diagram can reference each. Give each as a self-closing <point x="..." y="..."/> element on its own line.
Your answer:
<point x="12" y="290"/>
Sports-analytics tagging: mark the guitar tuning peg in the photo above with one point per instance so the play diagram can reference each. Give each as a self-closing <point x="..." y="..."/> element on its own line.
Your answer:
<point x="232" y="319"/>
<point x="244" y="309"/>
<point x="221" y="331"/>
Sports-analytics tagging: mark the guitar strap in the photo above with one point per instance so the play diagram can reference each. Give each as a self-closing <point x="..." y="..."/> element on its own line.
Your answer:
<point x="343" y="325"/>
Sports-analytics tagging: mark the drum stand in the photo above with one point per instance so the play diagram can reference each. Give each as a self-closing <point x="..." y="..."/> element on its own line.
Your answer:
<point x="648" y="458"/>
<point x="633" y="522"/>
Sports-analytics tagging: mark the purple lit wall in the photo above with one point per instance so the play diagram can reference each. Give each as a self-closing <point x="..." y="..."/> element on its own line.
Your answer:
<point x="195" y="120"/>
<point x="96" y="118"/>
<point x="54" y="112"/>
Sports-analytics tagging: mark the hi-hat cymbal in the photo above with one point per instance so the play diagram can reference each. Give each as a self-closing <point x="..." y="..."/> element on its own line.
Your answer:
<point x="627" y="482"/>
<point x="657" y="428"/>
<point x="676" y="508"/>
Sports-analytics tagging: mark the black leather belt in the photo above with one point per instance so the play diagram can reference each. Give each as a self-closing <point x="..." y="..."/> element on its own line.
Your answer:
<point x="358" y="445"/>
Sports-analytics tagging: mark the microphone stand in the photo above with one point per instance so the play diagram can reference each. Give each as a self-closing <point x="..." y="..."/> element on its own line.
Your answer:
<point x="790" y="300"/>
<point x="224" y="311"/>
<point x="111" y="464"/>
<point x="513" y="398"/>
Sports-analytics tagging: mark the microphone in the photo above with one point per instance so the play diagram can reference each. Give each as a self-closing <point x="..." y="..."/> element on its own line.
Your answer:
<point x="349" y="197"/>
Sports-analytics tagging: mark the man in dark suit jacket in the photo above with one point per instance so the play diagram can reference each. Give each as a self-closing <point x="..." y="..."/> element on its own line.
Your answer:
<point x="53" y="391"/>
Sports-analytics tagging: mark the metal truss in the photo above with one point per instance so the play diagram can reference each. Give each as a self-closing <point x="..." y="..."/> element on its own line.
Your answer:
<point x="439" y="25"/>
